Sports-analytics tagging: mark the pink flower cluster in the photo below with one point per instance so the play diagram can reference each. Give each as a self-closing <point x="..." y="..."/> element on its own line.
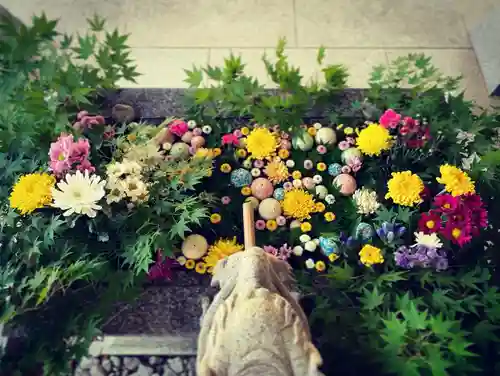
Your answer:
<point x="458" y="219"/>
<point x="67" y="154"/>
<point x="85" y="121"/>
<point x="283" y="253"/>
<point x="414" y="133"/>
<point x="178" y="127"/>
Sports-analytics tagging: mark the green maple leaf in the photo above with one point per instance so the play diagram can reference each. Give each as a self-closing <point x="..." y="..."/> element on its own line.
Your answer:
<point x="372" y="299"/>
<point x="415" y="319"/>
<point x="404" y="215"/>
<point x="384" y="215"/>
<point x="194" y="77"/>
<point x="96" y="23"/>
<point x="321" y="55"/>
<point x="437" y="364"/>
<point x="442" y="327"/>
<point x="394" y="333"/>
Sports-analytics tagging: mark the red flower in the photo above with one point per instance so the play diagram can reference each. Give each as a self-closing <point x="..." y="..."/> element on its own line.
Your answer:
<point x="162" y="268"/>
<point x="404" y="130"/>
<point x="458" y="233"/>
<point x="411" y="124"/>
<point x="230" y="139"/>
<point x="473" y="209"/>
<point x="447" y="203"/>
<point x="178" y="127"/>
<point x="390" y="119"/>
<point x="429" y="222"/>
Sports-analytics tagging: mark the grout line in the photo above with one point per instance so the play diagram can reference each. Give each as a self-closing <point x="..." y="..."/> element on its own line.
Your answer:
<point x="303" y="48"/>
<point x="295" y="32"/>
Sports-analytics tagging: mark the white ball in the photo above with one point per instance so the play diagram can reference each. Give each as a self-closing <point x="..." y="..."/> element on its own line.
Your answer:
<point x="321" y="191"/>
<point x="317" y="179"/>
<point x="297" y="183"/>
<point x="194" y="247"/>
<point x="310" y="246"/>
<point x="298" y="250"/>
<point x="310" y="264"/>
<point x="269" y="208"/>
<point x="304" y="238"/>
<point x="326" y="136"/>
<point x="290" y="163"/>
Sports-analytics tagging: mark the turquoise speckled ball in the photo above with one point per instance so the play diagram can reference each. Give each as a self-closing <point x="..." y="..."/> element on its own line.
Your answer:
<point x="335" y="169"/>
<point x="241" y="178"/>
<point x="279" y="194"/>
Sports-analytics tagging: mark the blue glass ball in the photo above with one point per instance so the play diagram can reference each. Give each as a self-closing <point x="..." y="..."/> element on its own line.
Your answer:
<point x="335" y="169"/>
<point x="327" y="245"/>
<point x="279" y="194"/>
<point x="241" y="178"/>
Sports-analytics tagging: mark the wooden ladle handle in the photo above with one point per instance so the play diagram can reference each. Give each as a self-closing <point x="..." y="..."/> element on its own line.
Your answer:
<point x="248" y="225"/>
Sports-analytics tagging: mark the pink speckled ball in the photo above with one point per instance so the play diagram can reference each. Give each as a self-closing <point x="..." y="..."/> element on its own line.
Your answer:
<point x="187" y="137"/>
<point x="262" y="188"/>
<point x="197" y="142"/>
<point x="346" y="183"/>
<point x="308" y="183"/>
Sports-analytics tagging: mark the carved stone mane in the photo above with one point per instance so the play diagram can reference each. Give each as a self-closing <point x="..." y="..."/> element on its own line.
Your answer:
<point x="254" y="326"/>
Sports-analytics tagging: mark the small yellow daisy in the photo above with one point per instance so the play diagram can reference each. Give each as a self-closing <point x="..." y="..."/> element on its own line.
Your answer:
<point x="216" y="152"/>
<point x="241" y="153"/>
<point x="320" y="207"/>
<point x="271" y="225"/>
<point x="329" y="216"/>
<point x="225" y="168"/>
<point x="348" y="131"/>
<point x="320" y="266"/>
<point x="246" y="191"/>
<point x="215" y="218"/>
<point x="333" y="256"/>
<point x="245" y="131"/>
<point x="296" y="174"/>
<point x="305" y="227"/>
<point x="201" y="268"/>
<point x="321" y="166"/>
<point x="283" y="153"/>
<point x="190" y="264"/>
<point x="312" y="131"/>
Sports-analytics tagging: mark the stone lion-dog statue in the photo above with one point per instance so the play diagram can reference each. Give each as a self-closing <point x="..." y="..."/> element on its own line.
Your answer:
<point x="254" y="326"/>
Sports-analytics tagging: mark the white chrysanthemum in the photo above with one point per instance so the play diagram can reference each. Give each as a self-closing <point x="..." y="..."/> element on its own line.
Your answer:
<point x="79" y="193"/>
<point x="135" y="189"/>
<point x="126" y="167"/>
<point x="429" y="240"/>
<point x="366" y="201"/>
<point x="146" y="154"/>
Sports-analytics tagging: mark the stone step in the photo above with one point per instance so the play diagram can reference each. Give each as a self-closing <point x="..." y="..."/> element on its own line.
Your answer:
<point x="485" y="39"/>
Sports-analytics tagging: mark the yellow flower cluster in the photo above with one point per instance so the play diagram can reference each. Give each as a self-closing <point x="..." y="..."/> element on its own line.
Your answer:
<point x="456" y="181"/>
<point x="31" y="192"/>
<point x="276" y="172"/>
<point x="405" y="188"/>
<point x="373" y="140"/>
<point x="298" y="204"/>
<point x="370" y="255"/>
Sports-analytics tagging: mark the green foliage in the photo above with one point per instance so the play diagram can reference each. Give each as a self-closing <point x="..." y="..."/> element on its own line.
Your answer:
<point x="232" y="94"/>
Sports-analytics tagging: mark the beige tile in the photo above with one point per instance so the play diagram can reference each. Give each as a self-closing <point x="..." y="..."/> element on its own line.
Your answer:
<point x="359" y="62"/>
<point x="473" y="10"/>
<point x="251" y="57"/>
<point x="209" y="23"/>
<point x="72" y="14"/>
<point x="455" y="63"/>
<point x="379" y="23"/>
<point x="164" y="67"/>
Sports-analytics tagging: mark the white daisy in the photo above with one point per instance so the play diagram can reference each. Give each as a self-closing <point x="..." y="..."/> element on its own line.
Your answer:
<point x="136" y="189"/>
<point x="429" y="240"/>
<point x="79" y="193"/>
<point x="310" y="264"/>
<point x="298" y="250"/>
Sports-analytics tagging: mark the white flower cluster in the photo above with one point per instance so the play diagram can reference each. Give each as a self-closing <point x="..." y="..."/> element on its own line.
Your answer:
<point x="366" y="201"/>
<point x="125" y="181"/>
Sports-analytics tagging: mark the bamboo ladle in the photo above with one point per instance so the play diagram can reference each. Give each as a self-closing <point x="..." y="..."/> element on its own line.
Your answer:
<point x="248" y="225"/>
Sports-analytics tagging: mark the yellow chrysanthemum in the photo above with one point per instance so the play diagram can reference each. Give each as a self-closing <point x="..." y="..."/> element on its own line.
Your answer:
<point x="283" y="153"/>
<point x="261" y="143"/>
<point x="329" y="216"/>
<point x="373" y="140"/>
<point x="215" y="218"/>
<point x="201" y="268"/>
<point x="305" y="227"/>
<point x="276" y="172"/>
<point x="298" y="204"/>
<point x="31" y="192"/>
<point x="222" y="248"/>
<point x="246" y="191"/>
<point x="320" y="207"/>
<point x="225" y="168"/>
<point x="370" y="255"/>
<point x="405" y="188"/>
<point x="320" y="266"/>
<point x="296" y="174"/>
<point x="271" y="225"/>
<point x="333" y="257"/>
<point x="456" y="181"/>
<point x="190" y="264"/>
<point x="216" y="152"/>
